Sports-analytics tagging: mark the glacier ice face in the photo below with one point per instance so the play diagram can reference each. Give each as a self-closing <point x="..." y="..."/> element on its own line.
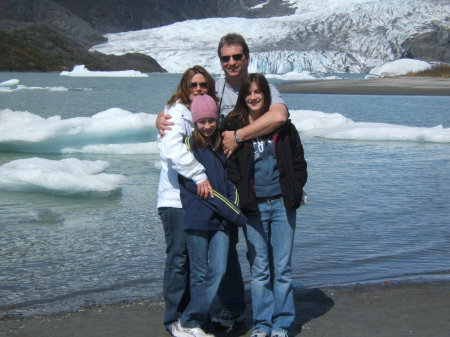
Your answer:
<point x="326" y="36"/>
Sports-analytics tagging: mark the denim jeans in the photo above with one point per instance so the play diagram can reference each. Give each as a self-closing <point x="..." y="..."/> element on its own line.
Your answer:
<point x="232" y="291"/>
<point x="270" y="240"/>
<point x="176" y="272"/>
<point x="208" y="253"/>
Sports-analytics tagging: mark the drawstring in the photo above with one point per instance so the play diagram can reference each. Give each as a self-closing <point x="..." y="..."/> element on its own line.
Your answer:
<point x="221" y="116"/>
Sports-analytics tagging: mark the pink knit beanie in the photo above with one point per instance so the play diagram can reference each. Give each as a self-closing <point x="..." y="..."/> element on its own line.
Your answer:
<point x="203" y="106"/>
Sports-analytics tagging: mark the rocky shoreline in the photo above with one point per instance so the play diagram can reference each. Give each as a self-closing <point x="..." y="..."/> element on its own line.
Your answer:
<point x="427" y="86"/>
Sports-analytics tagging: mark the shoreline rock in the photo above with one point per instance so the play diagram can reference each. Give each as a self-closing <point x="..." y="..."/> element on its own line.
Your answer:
<point x="425" y="86"/>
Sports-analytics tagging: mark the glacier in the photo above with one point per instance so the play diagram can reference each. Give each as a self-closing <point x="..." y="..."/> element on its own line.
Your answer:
<point x="330" y="36"/>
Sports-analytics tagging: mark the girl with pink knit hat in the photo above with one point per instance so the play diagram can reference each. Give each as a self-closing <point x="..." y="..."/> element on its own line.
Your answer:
<point x="208" y="221"/>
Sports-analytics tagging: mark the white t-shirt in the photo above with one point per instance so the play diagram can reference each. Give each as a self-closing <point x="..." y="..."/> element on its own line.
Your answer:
<point x="228" y="96"/>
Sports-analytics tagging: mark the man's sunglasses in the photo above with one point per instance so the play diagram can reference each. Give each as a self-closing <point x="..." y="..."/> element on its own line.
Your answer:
<point x="236" y="57"/>
<point x="202" y="85"/>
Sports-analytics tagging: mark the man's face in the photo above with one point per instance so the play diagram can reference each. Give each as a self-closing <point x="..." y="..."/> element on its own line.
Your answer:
<point x="234" y="62"/>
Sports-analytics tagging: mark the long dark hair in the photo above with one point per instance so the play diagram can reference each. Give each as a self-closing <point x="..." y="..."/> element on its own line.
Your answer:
<point x="184" y="87"/>
<point x="240" y="110"/>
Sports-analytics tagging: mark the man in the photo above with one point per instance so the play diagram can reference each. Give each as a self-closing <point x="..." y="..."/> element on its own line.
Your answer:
<point x="234" y="58"/>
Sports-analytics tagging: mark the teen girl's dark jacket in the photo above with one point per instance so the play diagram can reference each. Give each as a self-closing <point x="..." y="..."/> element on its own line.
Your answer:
<point x="291" y="165"/>
<point x="215" y="213"/>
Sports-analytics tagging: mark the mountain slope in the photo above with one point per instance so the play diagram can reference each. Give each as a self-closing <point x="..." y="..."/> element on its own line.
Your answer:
<point x="49" y="35"/>
<point x="326" y="35"/>
<point x="38" y="48"/>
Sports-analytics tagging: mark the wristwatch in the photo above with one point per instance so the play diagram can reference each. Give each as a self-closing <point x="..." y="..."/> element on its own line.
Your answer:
<point x="236" y="137"/>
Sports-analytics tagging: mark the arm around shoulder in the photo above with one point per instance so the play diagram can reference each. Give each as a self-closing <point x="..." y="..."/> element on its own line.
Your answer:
<point x="275" y="117"/>
<point x="174" y="150"/>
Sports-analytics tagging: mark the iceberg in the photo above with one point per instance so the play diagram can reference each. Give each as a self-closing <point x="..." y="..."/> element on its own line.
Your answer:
<point x="114" y="130"/>
<point x="82" y="71"/>
<point x="69" y="176"/>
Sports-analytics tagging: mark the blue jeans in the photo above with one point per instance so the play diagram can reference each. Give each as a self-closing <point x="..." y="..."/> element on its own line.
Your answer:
<point x="232" y="291"/>
<point x="208" y="252"/>
<point x="270" y="240"/>
<point x="176" y="272"/>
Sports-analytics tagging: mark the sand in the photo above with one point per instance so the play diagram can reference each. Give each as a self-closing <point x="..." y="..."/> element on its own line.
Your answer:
<point x="430" y="86"/>
<point x="381" y="310"/>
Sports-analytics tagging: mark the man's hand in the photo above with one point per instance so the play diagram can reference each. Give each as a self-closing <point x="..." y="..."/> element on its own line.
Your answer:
<point x="229" y="143"/>
<point x="162" y="123"/>
<point x="204" y="189"/>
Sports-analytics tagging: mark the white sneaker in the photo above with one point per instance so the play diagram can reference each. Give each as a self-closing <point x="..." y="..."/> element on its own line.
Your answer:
<point x="279" y="333"/>
<point x="176" y="330"/>
<point x="258" y="333"/>
<point x="227" y="319"/>
<point x="191" y="332"/>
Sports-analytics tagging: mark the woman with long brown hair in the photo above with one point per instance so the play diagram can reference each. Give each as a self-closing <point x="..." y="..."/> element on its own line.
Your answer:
<point x="269" y="173"/>
<point x="176" y="159"/>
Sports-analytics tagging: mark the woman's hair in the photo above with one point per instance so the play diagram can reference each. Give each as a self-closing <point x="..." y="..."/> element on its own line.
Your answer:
<point x="201" y="142"/>
<point x="184" y="87"/>
<point x="240" y="111"/>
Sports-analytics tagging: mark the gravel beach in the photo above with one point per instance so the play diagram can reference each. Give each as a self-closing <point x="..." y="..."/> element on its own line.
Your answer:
<point x="381" y="310"/>
<point x="431" y="86"/>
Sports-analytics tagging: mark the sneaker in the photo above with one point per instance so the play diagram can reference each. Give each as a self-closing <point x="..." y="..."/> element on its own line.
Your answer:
<point x="258" y="333"/>
<point x="176" y="330"/>
<point x="279" y="333"/>
<point x="227" y="319"/>
<point x="190" y="332"/>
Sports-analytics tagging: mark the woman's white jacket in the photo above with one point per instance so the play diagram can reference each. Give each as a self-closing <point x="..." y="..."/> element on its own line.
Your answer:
<point x="175" y="157"/>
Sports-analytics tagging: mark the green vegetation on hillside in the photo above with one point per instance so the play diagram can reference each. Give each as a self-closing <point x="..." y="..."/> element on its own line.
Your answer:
<point x="38" y="48"/>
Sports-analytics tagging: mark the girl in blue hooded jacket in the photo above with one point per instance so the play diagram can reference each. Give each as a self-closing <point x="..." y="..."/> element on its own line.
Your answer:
<point x="207" y="221"/>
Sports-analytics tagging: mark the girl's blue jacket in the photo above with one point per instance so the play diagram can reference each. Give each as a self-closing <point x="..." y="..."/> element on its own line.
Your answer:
<point x="218" y="212"/>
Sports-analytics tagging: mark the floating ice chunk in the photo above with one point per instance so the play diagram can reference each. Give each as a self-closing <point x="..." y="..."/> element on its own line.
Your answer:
<point x="69" y="176"/>
<point x="292" y="76"/>
<point x="112" y="130"/>
<point x="9" y="83"/>
<point x="82" y="71"/>
<point x="13" y="85"/>
<point x="337" y="126"/>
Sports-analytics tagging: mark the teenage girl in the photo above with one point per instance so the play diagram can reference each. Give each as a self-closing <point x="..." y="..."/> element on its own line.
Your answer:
<point x="270" y="173"/>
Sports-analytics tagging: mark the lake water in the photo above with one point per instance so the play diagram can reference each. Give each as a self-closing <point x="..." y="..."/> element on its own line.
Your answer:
<point x="377" y="210"/>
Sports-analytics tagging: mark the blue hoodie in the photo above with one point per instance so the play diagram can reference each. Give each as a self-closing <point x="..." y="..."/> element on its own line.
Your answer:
<point x="218" y="212"/>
